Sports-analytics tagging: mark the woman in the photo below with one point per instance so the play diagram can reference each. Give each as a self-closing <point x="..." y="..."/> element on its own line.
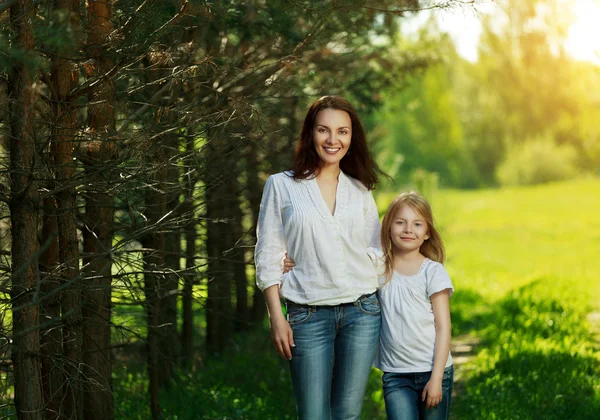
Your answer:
<point x="322" y="213"/>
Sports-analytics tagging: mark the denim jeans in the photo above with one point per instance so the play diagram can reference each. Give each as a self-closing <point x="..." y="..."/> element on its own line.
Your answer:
<point x="335" y="348"/>
<point x="403" y="391"/>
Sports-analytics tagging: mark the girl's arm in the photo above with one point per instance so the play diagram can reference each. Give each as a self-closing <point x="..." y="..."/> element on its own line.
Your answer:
<point x="281" y="332"/>
<point x="441" y="313"/>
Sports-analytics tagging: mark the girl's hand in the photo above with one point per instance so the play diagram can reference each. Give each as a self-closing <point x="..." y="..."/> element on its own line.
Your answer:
<point x="432" y="393"/>
<point x="288" y="264"/>
<point x="282" y="337"/>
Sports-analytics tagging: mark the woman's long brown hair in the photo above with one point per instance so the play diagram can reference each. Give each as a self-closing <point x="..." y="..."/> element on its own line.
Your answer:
<point x="358" y="162"/>
<point x="432" y="248"/>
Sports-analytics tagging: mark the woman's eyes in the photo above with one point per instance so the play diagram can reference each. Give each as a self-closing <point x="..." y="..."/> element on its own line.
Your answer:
<point x="324" y="130"/>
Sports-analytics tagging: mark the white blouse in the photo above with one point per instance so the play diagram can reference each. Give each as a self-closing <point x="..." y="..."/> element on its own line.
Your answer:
<point x="330" y="251"/>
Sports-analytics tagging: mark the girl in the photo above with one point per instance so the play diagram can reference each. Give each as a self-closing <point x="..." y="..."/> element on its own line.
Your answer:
<point x="415" y="288"/>
<point x="323" y="214"/>
<point x="414" y="292"/>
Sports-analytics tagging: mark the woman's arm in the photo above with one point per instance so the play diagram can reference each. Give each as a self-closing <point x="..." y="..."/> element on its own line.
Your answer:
<point x="440" y="302"/>
<point x="270" y="241"/>
<point x="270" y="248"/>
<point x="372" y="225"/>
<point x="281" y="332"/>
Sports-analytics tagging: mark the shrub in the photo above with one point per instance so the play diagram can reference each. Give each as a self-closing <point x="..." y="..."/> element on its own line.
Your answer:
<point x="536" y="162"/>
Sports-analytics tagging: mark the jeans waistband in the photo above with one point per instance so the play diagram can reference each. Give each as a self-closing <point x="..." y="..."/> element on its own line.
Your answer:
<point x="289" y="302"/>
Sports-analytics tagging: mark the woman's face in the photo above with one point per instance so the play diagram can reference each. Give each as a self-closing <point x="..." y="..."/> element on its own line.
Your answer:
<point x="332" y="134"/>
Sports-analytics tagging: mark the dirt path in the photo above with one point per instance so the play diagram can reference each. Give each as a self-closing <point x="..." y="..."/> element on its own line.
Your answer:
<point x="463" y="350"/>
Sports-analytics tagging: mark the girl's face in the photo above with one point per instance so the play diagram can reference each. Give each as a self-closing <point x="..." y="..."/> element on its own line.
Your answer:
<point x="409" y="230"/>
<point x="332" y="135"/>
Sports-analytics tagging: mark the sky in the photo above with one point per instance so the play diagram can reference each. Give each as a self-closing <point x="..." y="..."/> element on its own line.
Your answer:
<point x="463" y="24"/>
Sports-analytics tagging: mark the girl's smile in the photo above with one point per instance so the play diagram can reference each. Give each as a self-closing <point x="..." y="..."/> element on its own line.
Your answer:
<point x="409" y="230"/>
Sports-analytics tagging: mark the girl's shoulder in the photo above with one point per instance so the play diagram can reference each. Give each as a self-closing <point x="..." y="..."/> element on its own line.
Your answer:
<point x="437" y="276"/>
<point x="433" y="268"/>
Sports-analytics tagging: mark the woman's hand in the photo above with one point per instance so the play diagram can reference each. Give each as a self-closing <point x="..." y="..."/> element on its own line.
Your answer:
<point x="282" y="337"/>
<point x="432" y="393"/>
<point x="288" y="264"/>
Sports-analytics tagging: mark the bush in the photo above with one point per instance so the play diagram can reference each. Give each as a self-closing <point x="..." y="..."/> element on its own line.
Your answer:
<point x="536" y="162"/>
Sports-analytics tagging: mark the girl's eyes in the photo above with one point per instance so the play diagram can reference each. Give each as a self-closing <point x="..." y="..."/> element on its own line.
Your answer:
<point x="418" y="224"/>
<point x="343" y="132"/>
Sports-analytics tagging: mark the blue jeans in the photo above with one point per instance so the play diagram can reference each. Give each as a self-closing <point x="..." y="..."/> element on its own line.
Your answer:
<point x="403" y="391"/>
<point x="335" y="348"/>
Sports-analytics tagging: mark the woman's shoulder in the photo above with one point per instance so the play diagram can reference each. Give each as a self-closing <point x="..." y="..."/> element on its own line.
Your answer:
<point x="378" y="259"/>
<point x="356" y="184"/>
<point x="375" y="253"/>
<point x="281" y="177"/>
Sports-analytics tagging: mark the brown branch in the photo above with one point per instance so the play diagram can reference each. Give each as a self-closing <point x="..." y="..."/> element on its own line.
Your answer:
<point x="174" y="19"/>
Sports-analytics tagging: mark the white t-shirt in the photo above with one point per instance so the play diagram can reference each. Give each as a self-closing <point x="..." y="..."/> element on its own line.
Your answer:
<point x="407" y="339"/>
<point x="332" y="264"/>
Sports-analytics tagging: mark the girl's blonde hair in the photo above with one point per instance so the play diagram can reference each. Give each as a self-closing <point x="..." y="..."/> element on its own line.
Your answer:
<point x="432" y="248"/>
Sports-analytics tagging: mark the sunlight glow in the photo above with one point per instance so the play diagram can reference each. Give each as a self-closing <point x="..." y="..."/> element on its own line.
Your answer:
<point x="583" y="42"/>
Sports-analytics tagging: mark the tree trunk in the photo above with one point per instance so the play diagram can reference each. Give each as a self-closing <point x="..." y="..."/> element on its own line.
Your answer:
<point x="169" y="340"/>
<point x="63" y="80"/>
<point x="24" y="210"/>
<point x="51" y="335"/>
<point x="154" y="260"/>
<point x="238" y="255"/>
<point x="99" y="223"/>
<point x="187" y="329"/>
<point x="219" y="212"/>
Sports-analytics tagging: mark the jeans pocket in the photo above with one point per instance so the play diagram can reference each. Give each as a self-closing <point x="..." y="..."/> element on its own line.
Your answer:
<point x="298" y="314"/>
<point x="369" y="304"/>
<point x="448" y="378"/>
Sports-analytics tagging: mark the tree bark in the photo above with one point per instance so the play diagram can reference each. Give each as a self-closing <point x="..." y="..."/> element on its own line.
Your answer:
<point x="51" y="334"/>
<point x="63" y="80"/>
<point x="169" y="341"/>
<point x="154" y="260"/>
<point x="99" y="223"/>
<point x="219" y="194"/>
<point x="187" y="329"/>
<point x="24" y="210"/>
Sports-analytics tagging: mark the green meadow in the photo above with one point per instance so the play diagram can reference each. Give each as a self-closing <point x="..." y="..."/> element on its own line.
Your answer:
<point x="525" y="266"/>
